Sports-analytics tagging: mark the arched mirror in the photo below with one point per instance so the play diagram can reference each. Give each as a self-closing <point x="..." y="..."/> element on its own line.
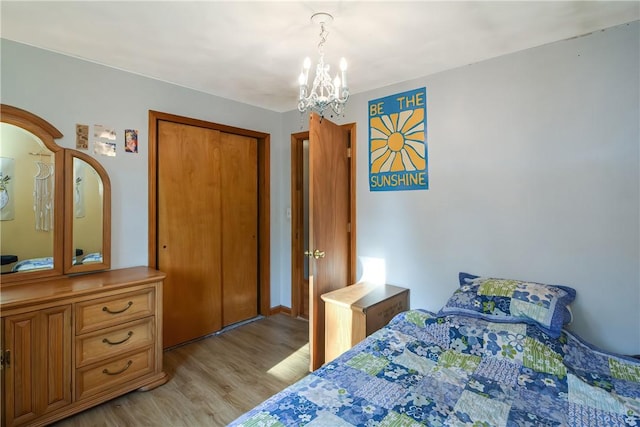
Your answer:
<point x="87" y="204"/>
<point x="31" y="216"/>
<point x="42" y="234"/>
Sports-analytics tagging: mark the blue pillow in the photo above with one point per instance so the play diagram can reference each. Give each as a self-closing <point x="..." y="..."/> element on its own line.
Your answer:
<point x="512" y="301"/>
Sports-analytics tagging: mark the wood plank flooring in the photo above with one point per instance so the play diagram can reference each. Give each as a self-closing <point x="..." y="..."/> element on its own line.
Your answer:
<point x="213" y="380"/>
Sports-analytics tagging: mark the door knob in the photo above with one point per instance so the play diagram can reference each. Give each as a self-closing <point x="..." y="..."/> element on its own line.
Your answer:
<point x="315" y="254"/>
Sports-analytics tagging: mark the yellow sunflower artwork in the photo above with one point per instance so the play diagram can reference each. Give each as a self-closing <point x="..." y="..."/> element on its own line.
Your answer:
<point x="397" y="142"/>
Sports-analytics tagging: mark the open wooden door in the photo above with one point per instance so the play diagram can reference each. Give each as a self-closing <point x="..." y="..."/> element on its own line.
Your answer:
<point x="329" y="223"/>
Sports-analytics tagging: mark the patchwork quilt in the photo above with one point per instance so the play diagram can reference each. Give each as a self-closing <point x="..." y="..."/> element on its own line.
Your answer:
<point x="454" y="370"/>
<point x="34" y="264"/>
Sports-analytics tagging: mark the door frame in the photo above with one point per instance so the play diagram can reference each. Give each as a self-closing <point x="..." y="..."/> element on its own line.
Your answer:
<point x="264" y="198"/>
<point x="297" y="225"/>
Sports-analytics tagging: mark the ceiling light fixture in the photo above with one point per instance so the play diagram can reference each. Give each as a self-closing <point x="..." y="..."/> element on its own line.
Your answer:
<point x="324" y="92"/>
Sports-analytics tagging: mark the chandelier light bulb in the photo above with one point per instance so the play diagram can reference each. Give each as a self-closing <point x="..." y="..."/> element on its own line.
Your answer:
<point x="306" y="64"/>
<point x="336" y="86"/>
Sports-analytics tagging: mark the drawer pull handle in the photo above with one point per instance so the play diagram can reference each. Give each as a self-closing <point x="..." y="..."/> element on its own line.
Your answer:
<point x="129" y="304"/>
<point x="129" y="335"/>
<point x="106" y="371"/>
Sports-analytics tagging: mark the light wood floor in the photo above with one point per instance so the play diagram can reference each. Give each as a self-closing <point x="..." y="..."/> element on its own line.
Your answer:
<point x="214" y="380"/>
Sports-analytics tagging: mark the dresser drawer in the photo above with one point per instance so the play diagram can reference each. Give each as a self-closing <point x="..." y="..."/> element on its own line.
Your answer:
<point x="109" y="311"/>
<point x="96" y="378"/>
<point x="106" y="343"/>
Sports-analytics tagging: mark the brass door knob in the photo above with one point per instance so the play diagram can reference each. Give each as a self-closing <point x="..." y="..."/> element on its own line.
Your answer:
<point x="315" y="254"/>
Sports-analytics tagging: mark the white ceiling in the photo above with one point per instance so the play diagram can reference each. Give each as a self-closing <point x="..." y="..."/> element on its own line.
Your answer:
<point x="252" y="51"/>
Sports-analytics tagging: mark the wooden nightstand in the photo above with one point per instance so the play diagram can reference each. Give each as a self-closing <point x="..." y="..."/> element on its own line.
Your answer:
<point x="354" y="312"/>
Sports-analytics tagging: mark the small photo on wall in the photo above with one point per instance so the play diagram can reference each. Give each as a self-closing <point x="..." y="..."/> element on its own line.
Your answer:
<point x="82" y="137"/>
<point x="104" y="148"/>
<point x="131" y="140"/>
<point x="104" y="132"/>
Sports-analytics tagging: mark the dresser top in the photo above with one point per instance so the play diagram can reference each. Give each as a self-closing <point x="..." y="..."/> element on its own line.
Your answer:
<point x="45" y="290"/>
<point x="362" y="295"/>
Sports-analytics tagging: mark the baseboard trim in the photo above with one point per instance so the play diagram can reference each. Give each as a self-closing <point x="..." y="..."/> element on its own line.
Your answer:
<point x="280" y="309"/>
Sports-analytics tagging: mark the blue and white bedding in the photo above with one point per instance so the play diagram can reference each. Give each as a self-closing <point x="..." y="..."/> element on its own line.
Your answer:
<point x="44" y="263"/>
<point x="34" y="264"/>
<point x="92" y="257"/>
<point x="458" y="370"/>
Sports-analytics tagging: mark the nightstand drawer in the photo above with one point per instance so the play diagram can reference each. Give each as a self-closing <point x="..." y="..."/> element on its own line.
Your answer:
<point x="105" y="343"/>
<point x="110" y="311"/>
<point x="94" y="379"/>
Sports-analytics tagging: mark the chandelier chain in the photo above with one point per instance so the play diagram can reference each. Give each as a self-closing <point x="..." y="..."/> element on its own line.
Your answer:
<point x="323" y="38"/>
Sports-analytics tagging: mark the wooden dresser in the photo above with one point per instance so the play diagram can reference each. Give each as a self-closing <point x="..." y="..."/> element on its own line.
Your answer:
<point x="71" y="343"/>
<point x="354" y="312"/>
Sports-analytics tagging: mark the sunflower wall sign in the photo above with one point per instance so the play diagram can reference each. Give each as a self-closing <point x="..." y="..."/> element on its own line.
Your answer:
<point x="398" y="142"/>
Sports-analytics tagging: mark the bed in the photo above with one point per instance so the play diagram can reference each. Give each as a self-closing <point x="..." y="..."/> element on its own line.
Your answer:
<point x="92" y="257"/>
<point x="33" y="264"/>
<point x="46" y="263"/>
<point x="497" y="354"/>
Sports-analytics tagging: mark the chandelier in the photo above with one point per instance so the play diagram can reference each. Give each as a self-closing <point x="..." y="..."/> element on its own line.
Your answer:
<point x="324" y="92"/>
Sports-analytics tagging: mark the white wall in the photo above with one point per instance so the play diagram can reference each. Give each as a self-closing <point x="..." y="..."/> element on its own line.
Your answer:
<point x="534" y="170"/>
<point x="65" y="91"/>
<point x="534" y="174"/>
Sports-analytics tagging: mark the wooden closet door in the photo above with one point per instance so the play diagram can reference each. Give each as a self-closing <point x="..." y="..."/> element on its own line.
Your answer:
<point x="189" y="230"/>
<point x="239" y="212"/>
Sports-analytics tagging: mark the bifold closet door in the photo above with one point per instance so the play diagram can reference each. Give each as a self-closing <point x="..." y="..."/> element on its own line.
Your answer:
<point x="239" y="205"/>
<point x="189" y="230"/>
<point x="207" y="229"/>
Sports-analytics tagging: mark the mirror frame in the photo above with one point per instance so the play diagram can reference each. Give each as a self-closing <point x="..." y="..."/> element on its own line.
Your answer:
<point x="48" y="134"/>
<point x="63" y="250"/>
<point x="69" y="249"/>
